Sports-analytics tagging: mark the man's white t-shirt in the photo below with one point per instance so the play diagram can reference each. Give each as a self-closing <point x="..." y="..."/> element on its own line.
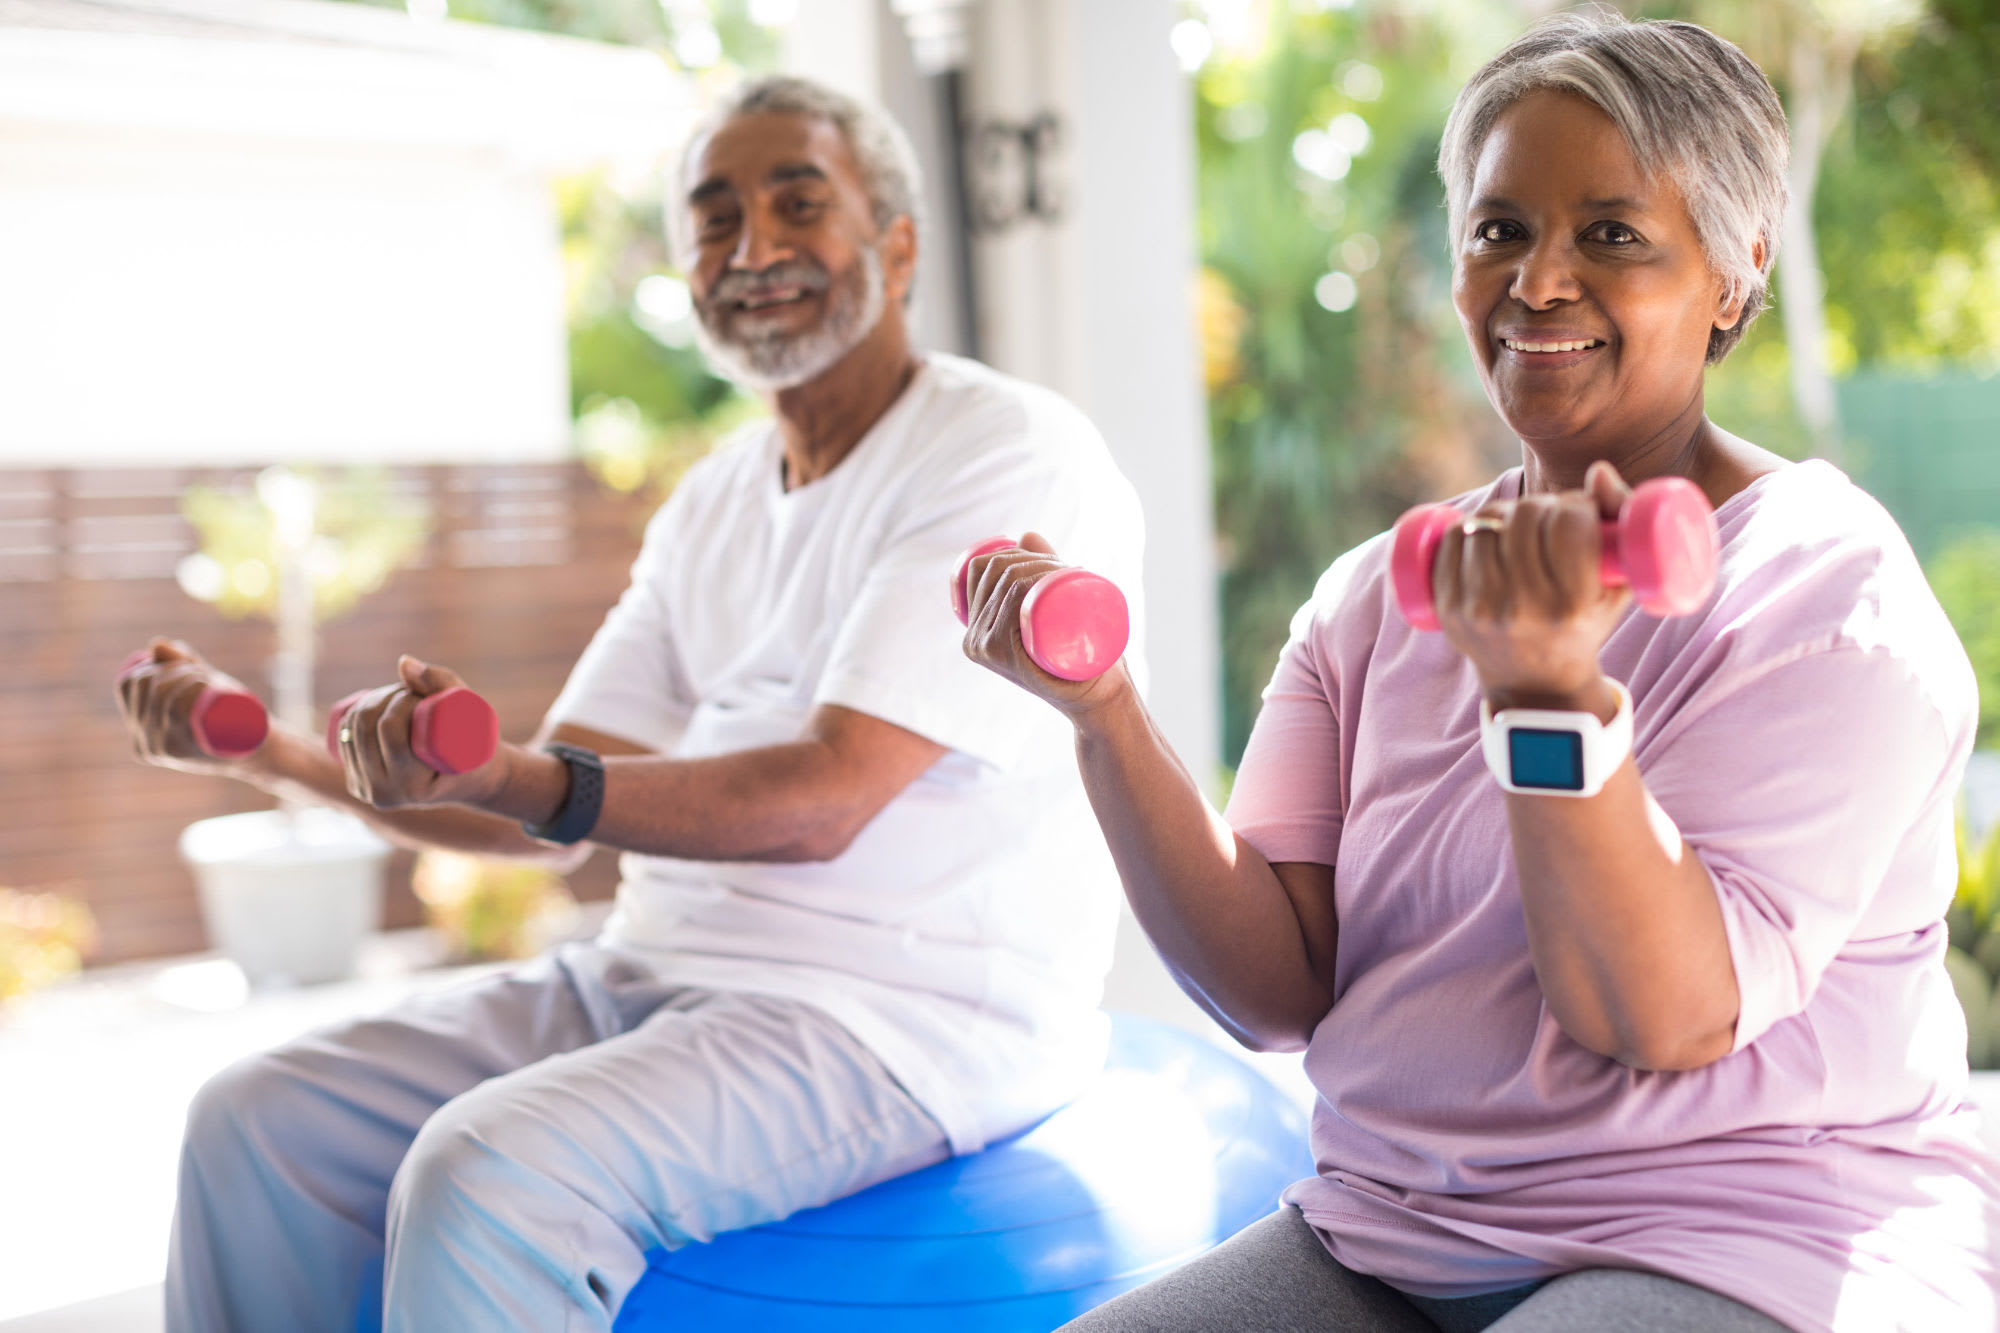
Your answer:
<point x="965" y="934"/>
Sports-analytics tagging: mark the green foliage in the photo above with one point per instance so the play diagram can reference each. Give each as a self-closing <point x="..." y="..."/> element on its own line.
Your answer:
<point x="1979" y="877"/>
<point x="1966" y="578"/>
<point x="1325" y="422"/>
<point x="1908" y="210"/>
<point x="1973" y="960"/>
<point x="645" y="401"/>
<point x="364" y="530"/>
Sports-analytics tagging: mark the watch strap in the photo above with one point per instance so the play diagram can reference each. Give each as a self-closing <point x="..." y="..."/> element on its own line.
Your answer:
<point x="577" y="815"/>
<point x="1599" y="746"/>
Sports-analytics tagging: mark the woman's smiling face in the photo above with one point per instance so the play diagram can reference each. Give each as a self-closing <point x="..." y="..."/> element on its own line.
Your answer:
<point x="1581" y="284"/>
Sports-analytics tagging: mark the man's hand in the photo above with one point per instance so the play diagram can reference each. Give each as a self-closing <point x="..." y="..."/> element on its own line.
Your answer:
<point x="383" y="770"/>
<point x="156" y="700"/>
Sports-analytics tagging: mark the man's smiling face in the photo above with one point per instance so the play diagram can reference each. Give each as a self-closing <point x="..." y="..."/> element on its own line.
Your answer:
<point x="785" y="264"/>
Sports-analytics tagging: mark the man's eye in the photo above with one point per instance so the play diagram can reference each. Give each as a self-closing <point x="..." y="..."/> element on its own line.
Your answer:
<point x="1494" y="232"/>
<point x="718" y="224"/>
<point x="804" y="208"/>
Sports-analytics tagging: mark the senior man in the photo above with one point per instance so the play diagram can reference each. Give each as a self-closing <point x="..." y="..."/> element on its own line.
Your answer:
<point x="865" y="912"/>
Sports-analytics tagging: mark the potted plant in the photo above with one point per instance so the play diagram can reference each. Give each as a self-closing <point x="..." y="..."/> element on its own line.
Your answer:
<point x="290" y="894"/>
<point x="485" y="909"/>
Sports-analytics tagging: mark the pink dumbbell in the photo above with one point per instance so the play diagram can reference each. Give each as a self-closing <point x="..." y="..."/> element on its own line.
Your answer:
<point x="453" y="731"/>
<point x="1074" y="623"/>
<point x="1662" y="543"/>
<point x="227" y="724"/>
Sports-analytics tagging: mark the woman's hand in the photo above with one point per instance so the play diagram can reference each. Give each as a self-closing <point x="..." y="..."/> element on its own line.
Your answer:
<point x="156" y="700"/>
<point x="383" y="770"/>
<point x="1518" y="593"/>
<point x="996" y="586"/>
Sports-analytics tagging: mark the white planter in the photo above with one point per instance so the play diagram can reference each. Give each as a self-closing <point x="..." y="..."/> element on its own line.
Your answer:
<point x="288" y="896"/>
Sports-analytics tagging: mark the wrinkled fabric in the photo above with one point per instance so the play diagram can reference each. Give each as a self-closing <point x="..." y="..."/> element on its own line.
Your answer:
<point x="500" y="1155"/>
<point x="1806" y="729"/>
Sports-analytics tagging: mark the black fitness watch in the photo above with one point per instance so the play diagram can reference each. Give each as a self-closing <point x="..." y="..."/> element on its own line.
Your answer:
<point x="577" y="815"/>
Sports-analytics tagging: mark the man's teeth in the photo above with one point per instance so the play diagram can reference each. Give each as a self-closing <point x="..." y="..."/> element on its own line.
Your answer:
<point x="1550" y="347"/>
<point x="770" y="299"/>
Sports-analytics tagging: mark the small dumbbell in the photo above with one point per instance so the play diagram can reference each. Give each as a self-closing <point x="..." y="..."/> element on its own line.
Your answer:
<point x="1074" y="623"/>
<point x="227" y="724"/>
<point x="1662" y="544"/>
<point x="452" y="731"/>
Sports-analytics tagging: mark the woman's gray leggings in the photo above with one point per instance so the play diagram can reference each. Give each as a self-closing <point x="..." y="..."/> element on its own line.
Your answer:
<point x="1274" y="1276"/>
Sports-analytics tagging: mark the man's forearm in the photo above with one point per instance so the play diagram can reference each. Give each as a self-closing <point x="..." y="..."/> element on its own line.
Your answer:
<point x="296" y="768"/>
<point x="791" y="802"/>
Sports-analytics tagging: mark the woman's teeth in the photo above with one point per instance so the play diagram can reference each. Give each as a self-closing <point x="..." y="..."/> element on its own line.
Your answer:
<point x="1513" y="346"/>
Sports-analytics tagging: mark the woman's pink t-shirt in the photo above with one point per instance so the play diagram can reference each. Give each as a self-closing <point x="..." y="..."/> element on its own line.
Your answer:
<point x="1806" y="729"/>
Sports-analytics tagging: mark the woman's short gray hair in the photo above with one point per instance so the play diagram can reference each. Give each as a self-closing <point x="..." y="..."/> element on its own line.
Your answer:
<point x="882" y="152"/>
<point x="1690" y="105"/>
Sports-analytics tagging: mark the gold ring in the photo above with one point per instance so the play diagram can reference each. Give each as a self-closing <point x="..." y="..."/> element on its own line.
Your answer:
<point x="1481" y="523"/>
<point x="345" y="735"/>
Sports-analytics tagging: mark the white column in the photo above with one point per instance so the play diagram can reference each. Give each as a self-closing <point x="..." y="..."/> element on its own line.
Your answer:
<point x="1098" y="303"/>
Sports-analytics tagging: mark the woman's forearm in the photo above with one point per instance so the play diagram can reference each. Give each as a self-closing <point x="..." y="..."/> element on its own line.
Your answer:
<point x="1221" y="917"/>
<point x="1624" y="926"/>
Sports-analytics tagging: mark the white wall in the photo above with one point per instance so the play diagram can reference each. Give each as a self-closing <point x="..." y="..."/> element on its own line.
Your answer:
<point x="245" y="230"/>
<point x="200" y="299"/>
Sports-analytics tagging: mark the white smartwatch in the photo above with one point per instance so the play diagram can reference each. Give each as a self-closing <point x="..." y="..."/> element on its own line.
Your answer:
<point x="1550" y="752"/>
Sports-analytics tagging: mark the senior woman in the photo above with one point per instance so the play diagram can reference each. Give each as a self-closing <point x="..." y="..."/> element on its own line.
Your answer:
<point x="1677" y="1055"/>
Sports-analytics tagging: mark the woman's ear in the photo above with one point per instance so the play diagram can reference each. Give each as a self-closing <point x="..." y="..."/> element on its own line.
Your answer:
<point x="1730" y="310"/>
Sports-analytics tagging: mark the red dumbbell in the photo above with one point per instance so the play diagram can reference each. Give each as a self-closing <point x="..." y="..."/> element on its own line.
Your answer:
<point x="1074" y="623"/>
<point x="1662" y="543"/>
<point x="227" y="724"/>
<point x="453" y="731"/>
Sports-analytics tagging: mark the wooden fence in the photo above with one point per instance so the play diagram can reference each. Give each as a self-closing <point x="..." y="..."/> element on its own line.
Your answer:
<point x="521" y="564"/>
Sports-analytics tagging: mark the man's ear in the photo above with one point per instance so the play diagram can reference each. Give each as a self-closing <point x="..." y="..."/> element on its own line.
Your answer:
<point x="898" y="249"/>
<point x="1730" y="311"/>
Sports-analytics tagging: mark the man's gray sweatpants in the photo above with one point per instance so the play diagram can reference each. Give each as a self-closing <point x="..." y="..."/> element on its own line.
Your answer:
<point x="501" y="1155"/>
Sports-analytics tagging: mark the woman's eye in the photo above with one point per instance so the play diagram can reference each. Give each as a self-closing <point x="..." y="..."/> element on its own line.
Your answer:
<point x="1616" y="233"/>
<point x="1494" y="232"/>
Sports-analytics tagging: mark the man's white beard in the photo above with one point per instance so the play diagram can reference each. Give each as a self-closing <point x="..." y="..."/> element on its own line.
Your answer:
<point x="766" y="365"/>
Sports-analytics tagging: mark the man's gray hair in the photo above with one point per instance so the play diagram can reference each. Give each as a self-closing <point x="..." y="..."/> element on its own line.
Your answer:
<point x="882" y="152"/>
<point x="1691" y="107"/>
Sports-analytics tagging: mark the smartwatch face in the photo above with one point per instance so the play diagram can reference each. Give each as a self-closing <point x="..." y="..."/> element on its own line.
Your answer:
<point x="1552" y="760"/>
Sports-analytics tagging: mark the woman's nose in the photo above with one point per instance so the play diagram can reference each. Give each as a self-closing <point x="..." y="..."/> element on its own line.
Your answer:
<point x="1545" y="276"/>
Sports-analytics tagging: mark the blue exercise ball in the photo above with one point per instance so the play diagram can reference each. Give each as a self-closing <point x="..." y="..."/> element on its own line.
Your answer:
<point x="1177" y="1146"/>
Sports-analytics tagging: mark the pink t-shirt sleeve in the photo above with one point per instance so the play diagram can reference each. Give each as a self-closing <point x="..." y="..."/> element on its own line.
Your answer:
<point x="1809" y="792"/>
